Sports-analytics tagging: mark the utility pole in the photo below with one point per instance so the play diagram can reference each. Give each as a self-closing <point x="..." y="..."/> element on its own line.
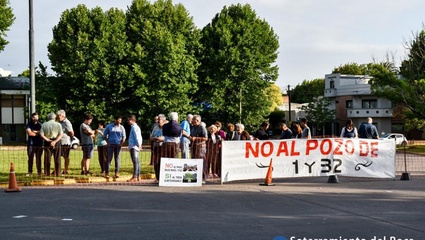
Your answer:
<point x="289" y="104"/>
<point x="31" y="55"/>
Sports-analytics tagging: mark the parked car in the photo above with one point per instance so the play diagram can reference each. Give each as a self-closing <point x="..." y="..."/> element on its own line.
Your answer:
<point x="75" y="142"/>
<point x="397" y="137"/>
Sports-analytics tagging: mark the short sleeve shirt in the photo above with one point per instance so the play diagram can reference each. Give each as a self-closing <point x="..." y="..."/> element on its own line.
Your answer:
<point x="66" y="128"/>
<point x="85" y="139"/>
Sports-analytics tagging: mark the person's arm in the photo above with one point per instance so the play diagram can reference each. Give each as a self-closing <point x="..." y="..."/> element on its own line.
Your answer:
<point x="88" y="131"/>
<point x="342" y="132"/>
<point x="57" y="139"/>
<point x="32" y="133"/>
<point x="123" y="135"/>
<point x="69" y="129"/>
<point x="105" y="135"/>
<point x="139" y="138"/>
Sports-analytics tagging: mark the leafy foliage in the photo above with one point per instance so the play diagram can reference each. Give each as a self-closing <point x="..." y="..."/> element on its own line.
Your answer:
<point x="6" y="20"/>
<point x="88" y="53"/>
<point x="409" y="88"/>
<point x="163" y="41"/>
<point x="238" y="51"/>
<point x="275" y="94"/>
<point x="308" y="90"/>
<point x="319" y="112"/>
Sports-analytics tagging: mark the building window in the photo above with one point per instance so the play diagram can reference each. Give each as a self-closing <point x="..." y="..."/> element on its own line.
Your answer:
<point x="332" y="84"/>
<point x="369" y="104"/>
<point x="349" y="104"/>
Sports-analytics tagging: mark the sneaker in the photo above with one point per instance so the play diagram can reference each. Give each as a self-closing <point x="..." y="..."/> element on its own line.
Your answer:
<point x="82" y="172"/>
<point x="117" y="175"/>
<point x="28" y="174"/>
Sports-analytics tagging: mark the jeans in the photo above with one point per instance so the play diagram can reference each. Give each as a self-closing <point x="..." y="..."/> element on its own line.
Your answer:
<point x="184" y="146"/>
<point x="134" y="154"/>
<point x="114" y="150"/>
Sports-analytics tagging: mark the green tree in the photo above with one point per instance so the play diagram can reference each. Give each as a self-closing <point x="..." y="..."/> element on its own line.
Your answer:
<point x="6" y="20"/>
<point x="318" y="112"/>
<point x="163" y="42"/>
<point x="275" y="94"/>
<point x="308" y="90"/>
<point x="239" y="50"/>
<point x="408" y="89"/>
<point x="365" y="69"/>
<point x="48" y="94"/>
<point x="88" y="53"/>
<point x="276" y="117"/>
<point x="351" y="69"/>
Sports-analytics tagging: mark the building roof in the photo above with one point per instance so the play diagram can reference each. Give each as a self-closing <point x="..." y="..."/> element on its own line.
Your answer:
<point x="14" y="83"/>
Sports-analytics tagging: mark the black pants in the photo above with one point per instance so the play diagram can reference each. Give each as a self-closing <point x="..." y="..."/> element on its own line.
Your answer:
<point x="34" y="151"/>
<point x="103" y="156"/>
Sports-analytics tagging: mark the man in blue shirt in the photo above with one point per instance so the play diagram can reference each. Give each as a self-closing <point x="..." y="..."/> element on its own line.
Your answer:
<point x="115" y="137"/>
<point x="368" y="130"/>
<point x="184" y="141"/>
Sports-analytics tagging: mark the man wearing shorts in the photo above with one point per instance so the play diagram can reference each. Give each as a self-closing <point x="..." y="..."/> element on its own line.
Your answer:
<point x="68" y="134"/>
<point x="87" y="135"/>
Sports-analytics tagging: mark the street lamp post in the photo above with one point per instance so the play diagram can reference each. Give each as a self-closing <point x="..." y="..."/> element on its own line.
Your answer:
<point x="31" y="57"/>
<point x="289" y="104"/>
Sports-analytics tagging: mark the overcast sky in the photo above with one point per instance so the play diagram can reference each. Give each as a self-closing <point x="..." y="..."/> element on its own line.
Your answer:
<point x="315" y="36"/>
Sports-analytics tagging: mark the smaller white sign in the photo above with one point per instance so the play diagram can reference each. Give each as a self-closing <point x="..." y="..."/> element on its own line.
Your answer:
<point x="178" y="172"/>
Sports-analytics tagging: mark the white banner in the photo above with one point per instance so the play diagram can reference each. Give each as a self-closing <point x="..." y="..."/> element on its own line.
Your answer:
<point x="179" y="172"/>
<point x="243" y="160"/>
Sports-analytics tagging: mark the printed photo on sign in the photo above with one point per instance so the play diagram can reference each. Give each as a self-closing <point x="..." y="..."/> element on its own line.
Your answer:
<point x="178" y="172"/>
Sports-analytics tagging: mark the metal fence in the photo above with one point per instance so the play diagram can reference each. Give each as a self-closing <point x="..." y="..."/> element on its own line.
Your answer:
<point x="409" y="159"/>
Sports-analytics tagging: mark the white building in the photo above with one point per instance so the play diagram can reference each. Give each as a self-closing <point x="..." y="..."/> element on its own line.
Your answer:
<point x="351" y="98"/>
<point x="296" y="113"/>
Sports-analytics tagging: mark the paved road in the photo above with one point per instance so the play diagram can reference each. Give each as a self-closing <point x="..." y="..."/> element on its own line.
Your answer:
<point x="306" y="208"/>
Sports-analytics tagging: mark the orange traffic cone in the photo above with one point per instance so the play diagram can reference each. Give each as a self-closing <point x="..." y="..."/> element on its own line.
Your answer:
<point x="268" y="180"/>
<point x="13" y="185"/>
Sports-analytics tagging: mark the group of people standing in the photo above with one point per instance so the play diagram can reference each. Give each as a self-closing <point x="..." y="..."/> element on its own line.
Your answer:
<point x="54" y="139"/>
<point x="168" y="138"/>
<point x="194" y="139"/>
